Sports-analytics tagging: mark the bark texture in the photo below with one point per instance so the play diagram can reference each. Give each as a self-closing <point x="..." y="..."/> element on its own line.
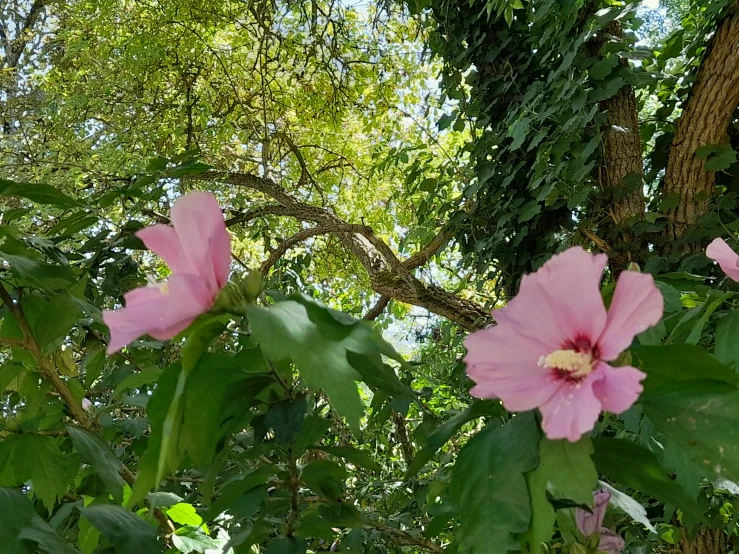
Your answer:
<point x="707" y="541"/>
<point x="389" y="276"/>
<point x="622" y="169"/>
<point x="713" y="99"/>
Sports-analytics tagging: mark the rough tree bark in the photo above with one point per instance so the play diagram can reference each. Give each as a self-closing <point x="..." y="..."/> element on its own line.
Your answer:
<point x="389" y="277"/>
<point x="622" y="164"/>
<point x="713" y="99"/>
<point x="707" y="541"/>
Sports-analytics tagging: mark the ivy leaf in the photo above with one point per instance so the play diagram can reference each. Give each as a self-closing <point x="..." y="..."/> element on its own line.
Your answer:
<point x="96" y="452"/>
<point x="702" y="419"/>
<point x="569" y="468"/>
<point x="723" y="158"/>
<point x="638" y="468"/>
<point x="22" y="527"/>
<point x="488" y="486"/>
<point x="39" y="459"/>
<point x="129" y="533"/>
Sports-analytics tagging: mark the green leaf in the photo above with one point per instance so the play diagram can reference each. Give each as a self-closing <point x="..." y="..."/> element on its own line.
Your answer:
<point x="233" y="489"/>
<point x="286" y="418"/>
<point x="39" y="459"/>
<point x="679" y="362"/>
<point x="129" y="533"/>
<point x="21" y="527"/>
<point x="316" y="340"/>
<point x="57" y="318"/>
<point x="671" y="296"/>
<point x="379" y="375"/>
<point x="727" y="340"/>
<point x="88" y="537"/>
<point x="638" y="468"/>
<point x="189" y="539"/>
<point x="287" y="545"/>
<point x="725" y="156"/>
<point x="325" y="478"/>
<point x="40" y="274"/>
<point x="185" y="514"/>
<point x="443" y="433"/>
<point x="38" y="193"/>
<point x="488" y="486"/>
<point x="137" y="380"/>
<point x="631" y="507"/>
<point x="702" y="419"/>
<point x="569" y="469"/>
<point x="353" y="456"/>
<point x="96" y="452"/>
<point x="314" y="427"/>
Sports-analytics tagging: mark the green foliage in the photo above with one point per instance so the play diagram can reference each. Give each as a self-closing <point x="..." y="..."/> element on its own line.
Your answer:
<point x="488" y="485"/>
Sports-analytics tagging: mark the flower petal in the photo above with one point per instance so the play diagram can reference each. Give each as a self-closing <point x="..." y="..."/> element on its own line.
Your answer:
<point x="568" y="287"/>
<point x="610" y="542"/>
<point x="722" y="253"/>
<point x="572" y="411"/>
<point x="589" y="523"/>
<point x="619" y="388"/>
<point x="164" y="242"/>
<point x="159" y="311"/>
<point x="206" y="244"/>
<point x="637" y="305"/>
<point x="503" y="364"/>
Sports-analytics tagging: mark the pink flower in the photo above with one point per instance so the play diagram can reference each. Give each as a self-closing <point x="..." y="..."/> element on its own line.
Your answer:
<point x="589" y="523"/>
<point x="198" y="252"/>
<point x="610" y="542"/>
<point x="550" y="347"/>
<point x="720" y="252"/>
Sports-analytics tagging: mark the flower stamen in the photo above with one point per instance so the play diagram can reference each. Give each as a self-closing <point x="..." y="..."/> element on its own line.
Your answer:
<point x="577" y="364"/>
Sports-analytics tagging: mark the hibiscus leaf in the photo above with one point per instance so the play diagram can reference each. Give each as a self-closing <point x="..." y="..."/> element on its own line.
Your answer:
<point x="316" y="341"/>
<point x="96" y="452"/>
<point x="702" y="419"/>
<point x="488" y="485"/>
<point x="21" y="526"/>
<point x="567" y="466"/>
<point x="129" y="533"/>
<point x="638" y="468"/>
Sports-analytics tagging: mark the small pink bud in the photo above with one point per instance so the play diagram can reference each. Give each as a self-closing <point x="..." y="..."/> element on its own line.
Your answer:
<point x="589" y="523"/>
<point x="86" y="404"/>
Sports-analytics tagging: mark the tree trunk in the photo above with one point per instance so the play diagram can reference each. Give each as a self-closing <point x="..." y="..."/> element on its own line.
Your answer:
<point x="621" y="173"/>
<point x="713" y="99"/>
<point x="707" y="541"/>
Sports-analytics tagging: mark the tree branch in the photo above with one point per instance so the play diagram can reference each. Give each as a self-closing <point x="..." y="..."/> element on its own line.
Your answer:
<point x="388" y="275"/>
<point x="377" y="309"/>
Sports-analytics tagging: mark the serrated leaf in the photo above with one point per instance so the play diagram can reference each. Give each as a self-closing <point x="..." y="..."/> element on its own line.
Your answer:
<point x="40" y="274"/>
<point x="488" y="485"/>
<point x="39" y="459"/>
<point x="286" y="418"/>
<point x="58" y="317"/>
<point x="317" y="343"/>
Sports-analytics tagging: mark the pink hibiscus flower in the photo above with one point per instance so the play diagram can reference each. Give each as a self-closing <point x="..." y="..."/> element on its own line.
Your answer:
<point x="591" y="523"/>
<point x="197" y="250"/>
<point x="550" y="347"/>
<point x="722" y="253"/>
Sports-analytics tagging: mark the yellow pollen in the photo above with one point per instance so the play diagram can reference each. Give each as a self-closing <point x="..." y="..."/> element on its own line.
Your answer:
<point x="579" y="364"/>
